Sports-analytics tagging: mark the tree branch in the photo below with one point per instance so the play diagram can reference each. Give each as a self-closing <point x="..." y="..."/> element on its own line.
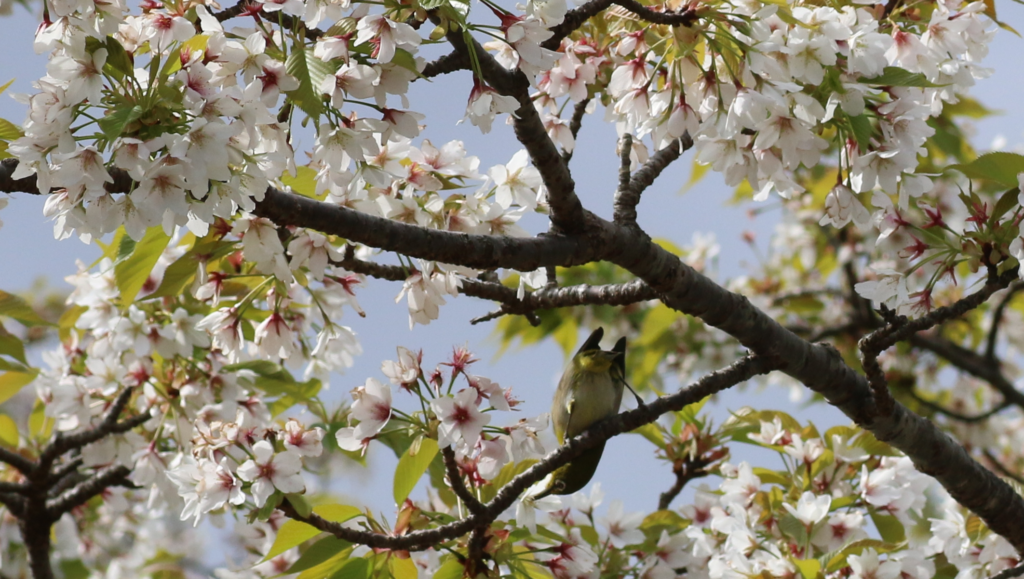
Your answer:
<point x="956" y="415"/>
<point x="573" y="20"/>
<point x="87" y="489"/>
<point x="458" y="485"/>
<point x="566" y="211"/>
<point x="684" y="18"/>
<point x="739" y="371"/>
<point x="630" y="190"/>
<point x="997" y="319"/>
<point x="451" y="62"/>
<point x="24" y="465"/>
<point x="575" y="124"/>
<point x="685" y="472"/>
<point x="971" y="362"/>
<point x="109" y="425"/>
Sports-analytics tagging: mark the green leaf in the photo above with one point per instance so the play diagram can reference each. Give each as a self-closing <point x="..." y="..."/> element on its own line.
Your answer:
<point x="74" y="569"/>
<point x="303" y="183"/>
<point x="792" y="527"/>
<point x="8" y="431"/>
<point x="131" y="273"/>
<point x="300" y="65"/>
<point x="9" y="131"/>
<point x="896" y="76"/>
<point x="836" y="560"/>
<point x="809" y="568"/>
<point x="300" y="504"/>
<point x="432" y="4"/>
<point x="889" y="527"/>
<point x="402" y="568"/>
<point x="769" y="476"/>
<point x="113" y="124"/>
<point x="667" y="519"/>
<point x="862" y="130"/>
<point x="450" y="569"/>
<point x="275" y="380"/>
<point x="1006" y="202"/>
<point x="12" y="382"/>
<point x="651" y="433"/>
<point x="354" y="569"/>
<point x="406" y="60"/>
<point x="697" y="172"/>
<point x="508" y="472"/>
<point x="180" y="273"/>
<point x="6" y="86"/>
<point x="566" y="335"/>
<point x="999" y="167"/>
<point x="11" y="345"/>
<point x="411" y="468"/>
<point x="293" y="533"/>
<point x="119" y="64"/>
<point x="15" y="307"/>
<point x="319" y="552"/>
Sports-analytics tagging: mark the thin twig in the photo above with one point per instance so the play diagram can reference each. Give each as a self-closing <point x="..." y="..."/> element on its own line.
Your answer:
<point x="997" y="319"/>
<point x="1002" y="467"/>
<point x="956" y="415"/>
<point x="900" y="328"/>
<point x="575" y="124"/>
<point x="685" y="472"/>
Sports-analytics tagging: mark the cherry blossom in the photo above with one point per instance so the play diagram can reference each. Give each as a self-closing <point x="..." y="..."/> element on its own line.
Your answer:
<point x="460" y="418"/>
<point x="268" y="471"/>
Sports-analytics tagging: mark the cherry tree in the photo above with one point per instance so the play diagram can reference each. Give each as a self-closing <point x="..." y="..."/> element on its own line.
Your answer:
<point x="182" y="379"/>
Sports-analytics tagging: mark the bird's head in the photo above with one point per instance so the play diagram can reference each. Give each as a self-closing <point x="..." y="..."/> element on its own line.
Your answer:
<point x="596" y="361"/>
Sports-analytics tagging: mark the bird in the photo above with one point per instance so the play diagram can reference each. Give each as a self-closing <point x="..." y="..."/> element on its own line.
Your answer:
<point x="589" y="391"/>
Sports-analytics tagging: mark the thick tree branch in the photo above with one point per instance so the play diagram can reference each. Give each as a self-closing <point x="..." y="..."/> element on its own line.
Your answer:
<point x="567" y="213"/>
<point x="740" y="371"/>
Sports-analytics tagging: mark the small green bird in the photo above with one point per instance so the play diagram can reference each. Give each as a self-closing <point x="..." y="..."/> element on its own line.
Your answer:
<point x="590" y="390"/>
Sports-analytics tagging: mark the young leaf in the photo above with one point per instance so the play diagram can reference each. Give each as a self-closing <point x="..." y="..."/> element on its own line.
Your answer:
<point x="307" y="97"/>
<point x="411" y="467"/>
<point x="1002" y="168"/>
<point x="13" y="306"/>
<point x="896" y="76"/>
<point x="131" y="273"/>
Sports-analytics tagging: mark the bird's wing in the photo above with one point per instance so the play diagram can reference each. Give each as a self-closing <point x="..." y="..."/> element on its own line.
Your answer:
<point x="570" y="406"/>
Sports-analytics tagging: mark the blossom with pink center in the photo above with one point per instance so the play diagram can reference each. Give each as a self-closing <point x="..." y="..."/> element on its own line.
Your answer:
<point x="269" y="471"/>
<point x="303" y="441"/>
<point x="274" y="337"/>
<point x="460" y="418"/>
<point x="372" y="408"/>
